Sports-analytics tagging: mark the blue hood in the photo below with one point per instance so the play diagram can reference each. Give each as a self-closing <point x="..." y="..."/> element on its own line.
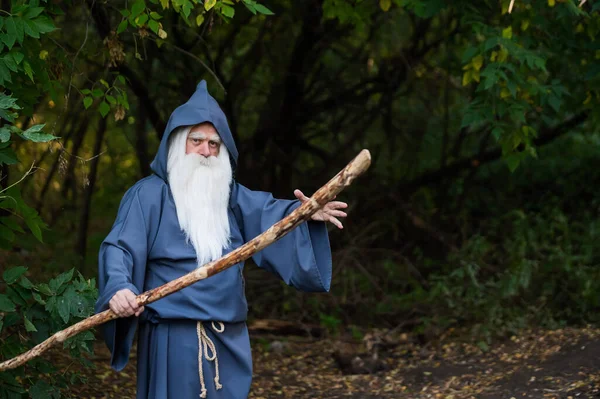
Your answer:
<point x="201" y="107"/>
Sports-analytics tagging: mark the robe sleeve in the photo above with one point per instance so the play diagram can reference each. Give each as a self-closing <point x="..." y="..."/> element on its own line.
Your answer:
<point x="122" y="264"/>
<point x="302" y="258"/>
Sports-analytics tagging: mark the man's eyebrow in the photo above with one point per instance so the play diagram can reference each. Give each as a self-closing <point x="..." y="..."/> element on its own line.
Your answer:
<point x="202" y="136"/>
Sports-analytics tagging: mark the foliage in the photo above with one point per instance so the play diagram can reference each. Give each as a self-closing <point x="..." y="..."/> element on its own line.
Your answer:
<point x="31" y="312"/>
<point x="31" y="68"/>
<point x="438" y="91"/>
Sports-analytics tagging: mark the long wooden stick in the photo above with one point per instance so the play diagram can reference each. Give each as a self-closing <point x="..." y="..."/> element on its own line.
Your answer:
<point x="325" y="194"/>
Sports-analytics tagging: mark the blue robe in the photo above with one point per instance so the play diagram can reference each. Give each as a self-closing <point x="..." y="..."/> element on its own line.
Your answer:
<point x="146" y="248"/>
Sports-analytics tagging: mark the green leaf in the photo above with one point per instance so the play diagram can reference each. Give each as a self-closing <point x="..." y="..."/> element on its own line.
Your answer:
<point x="8" y="157"/>
<point x="8" y="40"/>
<point x="250" y="7"/>
<point x="36" y="135"/>
<point x="76" y="304"/>
<point x="123" y="101"/>
<point x="25" y="283"/>
<point x="153" y="25"/>
<point x="125" y="13"/>
<point x="7" y="102"/>
<point x="30" y="29"/>
<point x="4" y="134"/>
<point x="11" y="32"/>
<point x="33" y="221"/>
<point x="137" y="8"/>
<point x="208" y="4"/>
<point x="41" y="390"/>
<point x="57" y="282"/>
<point x="38" y="298"/>
<point x="10" y="223"/>
<point x="44" y="24"/>
<point x="87" y="101"/>
<point x="6" y="305"/>
<point x="155" y="15"/>
<point x="122" y="26"/>
<point x="28" y="70"/>
<point x="554" y="102"/>
<point x="20" y="31"/>
<point x="7" y="234"/>
<point x="10" y="62"/>
<point x="469" y="53"/>
<point x="64" y="308"/>
<point x="142" y="19"/>
<point x="497" y="133"/>
<point x="121" y="79"/>
<point x="111" y="100"/>
<point x="513" y="160"/>
<point x="97" y="93"/>
<point x="385" y="5"/>
<point x="186" y="9"/>
<point x="228" y="11"/>
<point x="29" y="325"/>
<point x="18" y="295"/>
<point x="263" y="10"/>
<point x="13" y="274"/>
<point x="44" y="289"/>
<point x="104" y="108"/>
<point x="33" y="12"/>
<point x="4" y="74"/>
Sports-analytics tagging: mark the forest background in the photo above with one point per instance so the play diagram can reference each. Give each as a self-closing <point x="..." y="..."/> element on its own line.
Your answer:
<point x="479" y="212"/>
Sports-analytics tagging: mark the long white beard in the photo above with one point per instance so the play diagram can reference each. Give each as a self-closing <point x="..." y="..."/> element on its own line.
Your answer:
<point x="200" y="188"/>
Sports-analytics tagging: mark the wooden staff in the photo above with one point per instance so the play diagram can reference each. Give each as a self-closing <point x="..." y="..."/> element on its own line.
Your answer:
<point x="325" y="194"/>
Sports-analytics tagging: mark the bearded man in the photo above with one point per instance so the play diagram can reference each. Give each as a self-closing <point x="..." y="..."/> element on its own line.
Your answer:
<point x="189" y="212"/>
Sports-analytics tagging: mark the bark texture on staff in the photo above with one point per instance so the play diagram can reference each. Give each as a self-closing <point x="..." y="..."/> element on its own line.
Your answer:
<point x="321" y="197"/>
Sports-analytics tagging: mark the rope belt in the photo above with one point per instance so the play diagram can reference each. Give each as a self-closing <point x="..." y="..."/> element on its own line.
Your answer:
<point x="204" y="345"/>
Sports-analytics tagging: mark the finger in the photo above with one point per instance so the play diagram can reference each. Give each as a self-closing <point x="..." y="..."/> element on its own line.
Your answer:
<point x="131" y="299"/>
<point x="337" y="205"/>
<point x="300" y="195"/>
<point x="139" y="312"/>
<point x="127" y="309"/>
<point x="117" y="309"/>
<point x="339" y="214"/>
<point x="336" y="222"/>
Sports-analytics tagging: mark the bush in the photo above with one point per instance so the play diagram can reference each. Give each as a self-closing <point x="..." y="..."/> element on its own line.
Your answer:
<point x="32" y="312"/>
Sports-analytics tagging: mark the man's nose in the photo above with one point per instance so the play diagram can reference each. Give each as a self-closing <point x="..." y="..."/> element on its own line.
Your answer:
<point x="204" y="150"/>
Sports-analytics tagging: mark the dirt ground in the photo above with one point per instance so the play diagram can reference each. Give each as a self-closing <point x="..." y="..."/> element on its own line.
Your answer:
<point x="557" y="364"/>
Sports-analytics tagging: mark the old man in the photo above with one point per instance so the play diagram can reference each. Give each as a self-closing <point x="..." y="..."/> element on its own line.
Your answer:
<point x="194" y="343"/>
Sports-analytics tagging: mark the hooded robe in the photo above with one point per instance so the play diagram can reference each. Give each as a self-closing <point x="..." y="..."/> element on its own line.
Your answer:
<point x="147" y="248"/>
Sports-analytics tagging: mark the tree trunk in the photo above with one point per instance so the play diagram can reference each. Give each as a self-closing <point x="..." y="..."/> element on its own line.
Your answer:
<point x="69" y="182"/>
<point x="89" y="191"/>
<point x="55" y="165"/>
<point x="141" y="143"/>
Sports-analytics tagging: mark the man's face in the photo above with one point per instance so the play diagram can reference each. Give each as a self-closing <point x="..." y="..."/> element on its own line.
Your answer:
<point x="204" y="140"/>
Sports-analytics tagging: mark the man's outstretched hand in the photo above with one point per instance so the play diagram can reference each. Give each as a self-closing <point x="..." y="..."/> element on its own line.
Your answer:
<point x="329" y="213"/>
<point x="123" y="303"/>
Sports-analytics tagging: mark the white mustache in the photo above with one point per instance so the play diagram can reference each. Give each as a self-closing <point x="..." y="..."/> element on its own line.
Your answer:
<point x="201" y="160"/>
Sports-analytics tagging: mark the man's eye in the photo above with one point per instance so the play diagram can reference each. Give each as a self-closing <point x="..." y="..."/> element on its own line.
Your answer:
<point x="195" y="141"/>
<point x="213" y="143"/>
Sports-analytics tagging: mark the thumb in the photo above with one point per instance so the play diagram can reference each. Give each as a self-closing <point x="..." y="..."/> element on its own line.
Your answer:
<point x="300" y="195"/>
